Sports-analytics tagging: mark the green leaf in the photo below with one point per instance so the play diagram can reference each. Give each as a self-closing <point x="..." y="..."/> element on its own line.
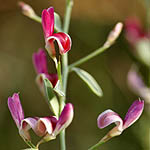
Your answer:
<point x="51" y="97"/>
<point x="57" y="24"/>
<point x="89" y="80"/>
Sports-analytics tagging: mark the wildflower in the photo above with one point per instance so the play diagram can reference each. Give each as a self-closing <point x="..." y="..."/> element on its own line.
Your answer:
<point x="137" y="85"/>
<point x="62" y="123"/>
<point x="63" y="39"/>
<point x="23" y="124"/>
<point x="49" y="126"/>
<point x="139" y="39"/>
<point x="134" y="31"/>
<point x="108" y="117"/>
<point x="40" y="64"/>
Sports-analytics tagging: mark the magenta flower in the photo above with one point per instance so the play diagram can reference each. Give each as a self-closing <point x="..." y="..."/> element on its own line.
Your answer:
<point x="57" y="125"/>
<point x="46" y="126"/>
<point x="63" y="39"/>
<point x="23" y="124"/>
<point x="40" y="64"/>
<point x="134" y="31"/>
<point x="108" y="117"/>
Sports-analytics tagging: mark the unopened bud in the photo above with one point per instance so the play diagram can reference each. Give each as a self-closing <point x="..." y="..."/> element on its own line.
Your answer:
<point x="114" y="34"/>
<point x="27" y="10"/>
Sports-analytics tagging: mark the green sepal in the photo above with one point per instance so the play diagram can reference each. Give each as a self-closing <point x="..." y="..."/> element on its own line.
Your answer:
<point x="58" y="89"/>
<point x="57" y="24"/>
<point x="89" y="80"/>
<point x="51" y="97"/>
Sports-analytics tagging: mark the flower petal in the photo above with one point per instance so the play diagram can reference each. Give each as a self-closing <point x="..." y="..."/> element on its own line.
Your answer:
<point x="53" y="78"/>
<point x="46" y="125"/>
<point x="134" y="30"/>
<point x="40" y="62"/>
<point x="63" y="40"/>
<point x="65" y="119"/>
<point x="26" y="125"/>
<point x="48" y="21"/>
<point x="15" y="108"/>
<point x="108" y="117"/>
<point x="133" y="113"/>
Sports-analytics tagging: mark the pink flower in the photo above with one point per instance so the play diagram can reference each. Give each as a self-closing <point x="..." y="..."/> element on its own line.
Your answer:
<point x="23" y="124"/>
<point x="137" y="85"/>
<point x="63" y="39"/>
<point x="134" y="31"/>
<point x="46" y="126"/>
<point x="108" y="117"/>
<point x="57" y="125"/>
<point x="40" y="64"/>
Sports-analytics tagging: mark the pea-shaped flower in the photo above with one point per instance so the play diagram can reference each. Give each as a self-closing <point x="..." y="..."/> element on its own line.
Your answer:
<point x="63" y="39"/>
<point x="23" y="124"/>
<point x="48" y="127"/>
<point x="40" y="64"/>
<point x="108" y="117"/>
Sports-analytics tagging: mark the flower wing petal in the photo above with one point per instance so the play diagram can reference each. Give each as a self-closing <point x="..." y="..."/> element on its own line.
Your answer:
<point x="26" y="125"/>
<point x="40" y="62"/>
<point x="48" y="21"/>
<point x="63" y="40"/>
<point x="15" y="108"/>
<point x="108" y="117"/>
<point x="133" y="113"/>
<point x="65" y="119"/>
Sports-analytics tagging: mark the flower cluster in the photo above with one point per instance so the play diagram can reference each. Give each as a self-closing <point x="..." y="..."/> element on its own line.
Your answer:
<point x="46" y="126"/>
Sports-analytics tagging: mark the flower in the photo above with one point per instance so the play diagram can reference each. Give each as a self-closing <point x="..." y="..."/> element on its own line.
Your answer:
<point x="40" y="64"/>
<point x="23" y="124"/>
<point x="108" y="117"/>
<point x="137" y="85"/>
<point x="27" y="10"/>
<point x="134" y="31"/>
<point x="49" y="126"/>
<point x="63" y="122"/>
<point x="63" y="39"/>
<point x="139" y="39"/>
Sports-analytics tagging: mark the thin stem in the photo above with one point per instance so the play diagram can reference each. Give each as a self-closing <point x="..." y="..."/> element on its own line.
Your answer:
<point x="95" y="147"/>
<point x="37" y="18"/>
<point x="88" y="57"/>
<point x="62" y="140"/>
<point x="69" y="4"/>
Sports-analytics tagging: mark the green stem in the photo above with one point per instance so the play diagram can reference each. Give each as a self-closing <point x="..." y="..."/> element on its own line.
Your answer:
<point x="37" y="19"/>
<point x="88" y="57"/>
<point x="96" y="146"/>
<point x="69" y="4"/>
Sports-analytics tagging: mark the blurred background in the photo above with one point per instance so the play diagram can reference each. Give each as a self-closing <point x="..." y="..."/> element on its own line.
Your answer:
<point x="90" y="24"/>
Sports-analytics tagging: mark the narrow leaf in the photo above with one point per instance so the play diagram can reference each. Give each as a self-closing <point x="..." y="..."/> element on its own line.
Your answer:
<point x="89" y="80"/>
